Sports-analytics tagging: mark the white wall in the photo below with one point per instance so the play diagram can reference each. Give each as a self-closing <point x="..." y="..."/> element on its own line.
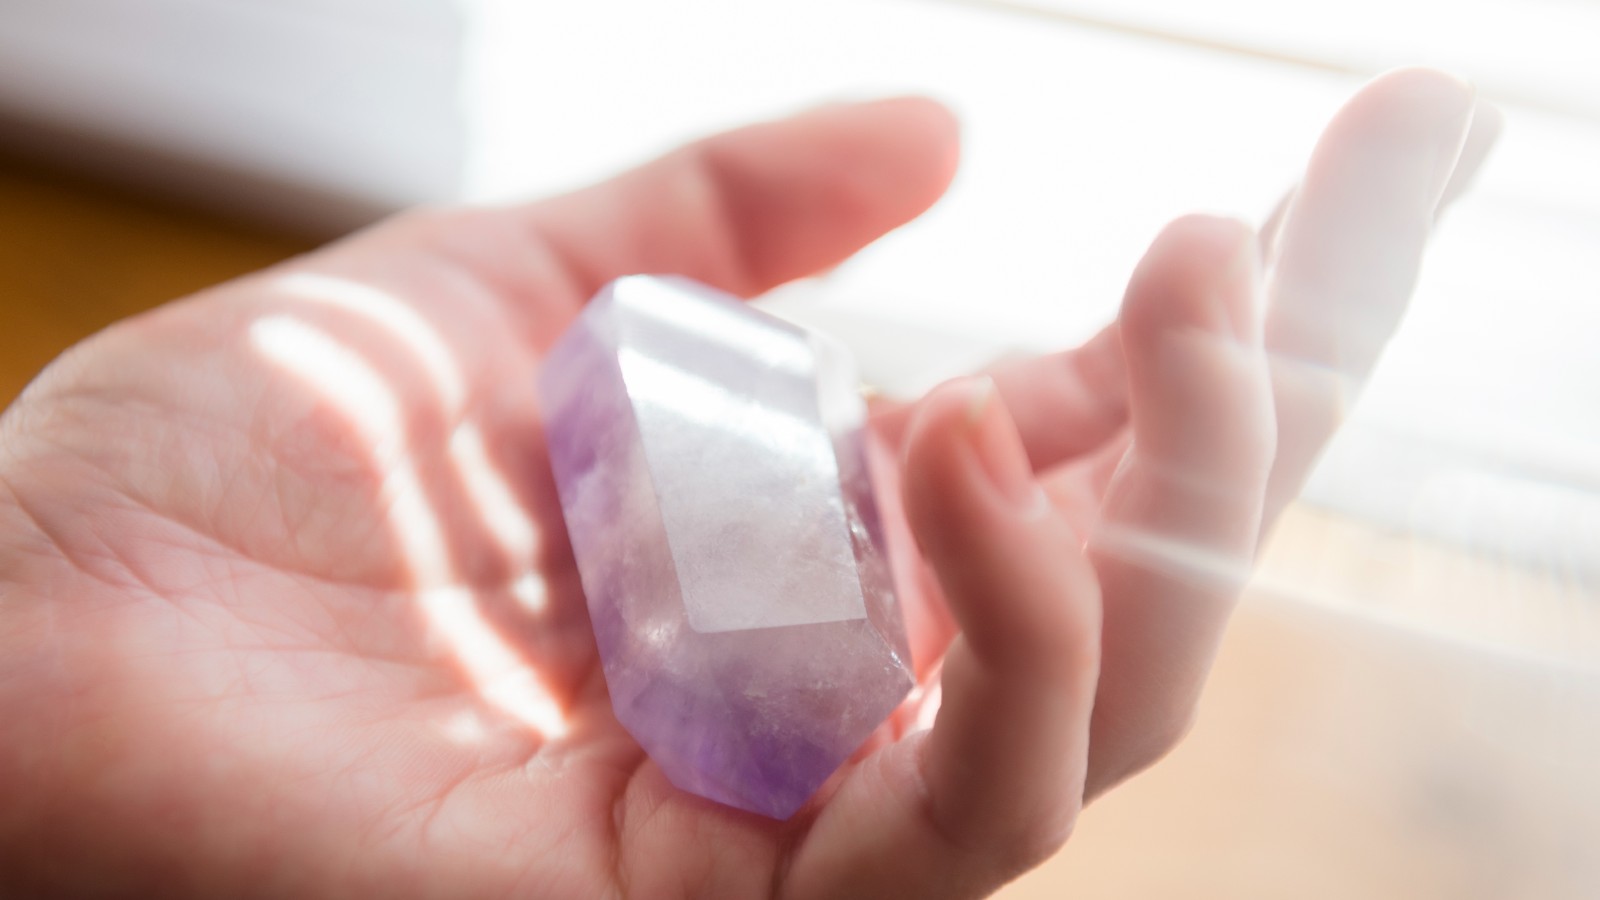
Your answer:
<point x="352" y="103"/>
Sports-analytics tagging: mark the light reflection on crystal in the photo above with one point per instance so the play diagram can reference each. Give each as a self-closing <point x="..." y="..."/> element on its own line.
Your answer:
<point x="683" y="395"/>
<point x="720" y="510"/>
<point x="718" y="325"/>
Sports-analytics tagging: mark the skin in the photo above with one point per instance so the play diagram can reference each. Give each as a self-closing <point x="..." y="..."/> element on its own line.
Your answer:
<point x="222" y="665"/>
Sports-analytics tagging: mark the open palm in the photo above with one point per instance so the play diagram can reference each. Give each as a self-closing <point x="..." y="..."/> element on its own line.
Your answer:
<point x="286" y="606"/>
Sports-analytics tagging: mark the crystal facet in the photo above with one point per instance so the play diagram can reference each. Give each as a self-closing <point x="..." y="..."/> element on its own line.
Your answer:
<point x="712" y="467"/>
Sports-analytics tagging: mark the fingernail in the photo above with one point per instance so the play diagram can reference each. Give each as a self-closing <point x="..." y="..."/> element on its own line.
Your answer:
<point x="981" y="391"/>
<point x="998" y="447"/>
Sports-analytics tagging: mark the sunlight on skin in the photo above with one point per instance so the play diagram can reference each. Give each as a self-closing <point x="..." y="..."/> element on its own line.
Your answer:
<point x="466" y="728"/>
<point x="488" y="488"/>
<point x="494" y="498"/>
<point x="923" y="702"/>
<point x="358" y="392"/>
<point x="531" y="593"/>
<point x="1176" y="558"/>
<point x="400" y="320"/>
<point x="1327" y="382"/>
<point x="501" y="677"/>
<point x="341" y="376"/>
<point x="1173" y="547"/>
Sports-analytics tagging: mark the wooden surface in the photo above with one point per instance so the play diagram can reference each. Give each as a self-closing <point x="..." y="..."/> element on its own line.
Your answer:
<point x="1338" y="757"/>
<point x="1389" y="718"/>
<point x="75" y="257"/>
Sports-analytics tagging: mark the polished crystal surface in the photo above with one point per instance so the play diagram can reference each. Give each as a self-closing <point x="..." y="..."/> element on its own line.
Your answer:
<point x="712" y="467"/>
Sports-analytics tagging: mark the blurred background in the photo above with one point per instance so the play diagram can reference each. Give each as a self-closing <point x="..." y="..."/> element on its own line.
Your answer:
<point x="1409" y="705"/>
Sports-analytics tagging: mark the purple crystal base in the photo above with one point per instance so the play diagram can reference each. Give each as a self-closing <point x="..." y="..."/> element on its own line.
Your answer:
<point x="711" y="463"/>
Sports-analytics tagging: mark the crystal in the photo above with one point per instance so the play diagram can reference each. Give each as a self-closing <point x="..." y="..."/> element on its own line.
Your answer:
<point x="713" y="471"/>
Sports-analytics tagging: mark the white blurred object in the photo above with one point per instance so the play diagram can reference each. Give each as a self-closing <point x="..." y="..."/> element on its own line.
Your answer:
<point x="321" y="114"/>
<point x="1089" y="123"/>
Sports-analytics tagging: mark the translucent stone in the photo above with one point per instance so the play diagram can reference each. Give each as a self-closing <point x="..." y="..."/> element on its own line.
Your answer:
<point x="712" y="467"/>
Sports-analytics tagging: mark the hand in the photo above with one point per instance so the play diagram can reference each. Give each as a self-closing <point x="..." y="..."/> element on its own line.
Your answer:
<point x="266" y="622"/>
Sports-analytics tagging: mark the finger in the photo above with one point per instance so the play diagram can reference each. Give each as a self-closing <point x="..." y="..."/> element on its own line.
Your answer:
<point x="1064" y="404"/>
<point x="996" y="784"/>
<point x="1077" y="487"/>
<point x="1177" y="531"/>
<point x="1351" y="250"/>
<point x="748" y="209"/>
<point x="1067" y="404"/>
<point x="1487" y="123"/>
<point x="1070" y="410"/>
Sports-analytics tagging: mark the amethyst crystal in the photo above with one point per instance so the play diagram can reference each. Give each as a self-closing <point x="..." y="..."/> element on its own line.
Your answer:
<point x="712" y="466"/>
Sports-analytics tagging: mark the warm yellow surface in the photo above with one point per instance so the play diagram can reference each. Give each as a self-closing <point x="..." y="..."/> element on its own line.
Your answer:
<point x="75" y="257"/>
<point x="1339" y="758"/>
<point x="1407" y="736"/>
